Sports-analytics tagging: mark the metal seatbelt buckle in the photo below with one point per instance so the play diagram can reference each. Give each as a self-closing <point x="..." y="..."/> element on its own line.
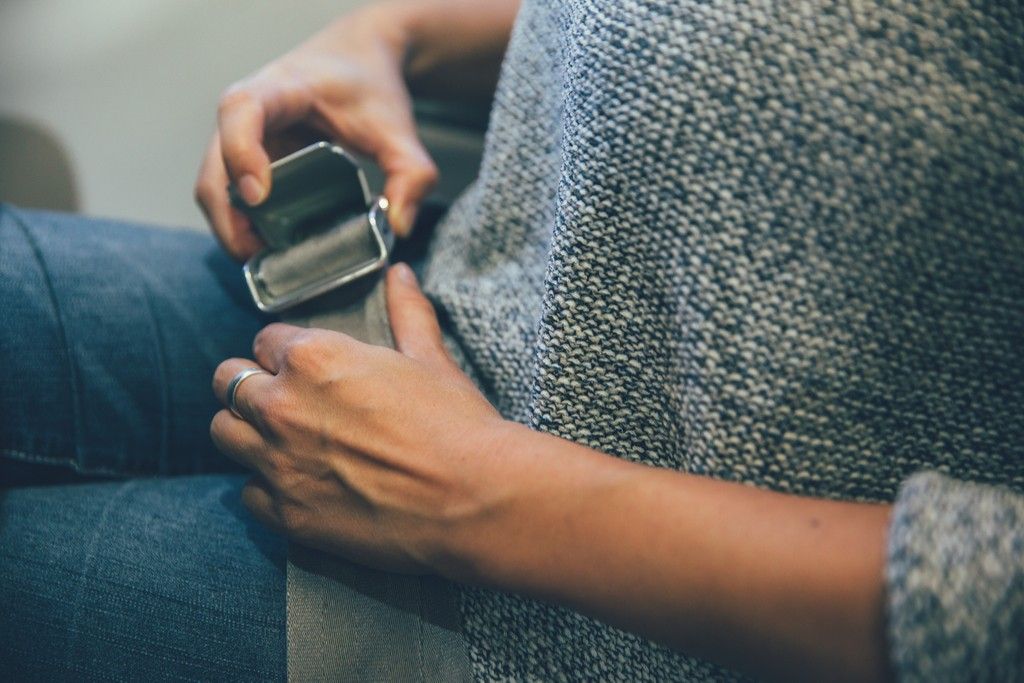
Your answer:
<point x="322" y="228"/>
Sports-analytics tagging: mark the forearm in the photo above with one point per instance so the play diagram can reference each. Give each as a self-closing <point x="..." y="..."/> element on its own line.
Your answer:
<point x="453" y="48"/>
<point x="776" y="585"/>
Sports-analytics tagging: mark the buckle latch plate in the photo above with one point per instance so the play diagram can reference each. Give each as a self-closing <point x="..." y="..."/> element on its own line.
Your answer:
<point x="321" y="228"/>
<point x="269" y="274"/>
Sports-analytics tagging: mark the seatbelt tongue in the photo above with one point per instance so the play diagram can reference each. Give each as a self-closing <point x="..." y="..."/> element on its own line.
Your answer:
<point x="310" y="189"/>
<point x="352" y="248"/>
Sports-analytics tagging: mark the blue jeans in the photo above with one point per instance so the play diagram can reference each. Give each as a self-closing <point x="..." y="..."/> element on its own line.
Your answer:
<point x="124" y="550"/>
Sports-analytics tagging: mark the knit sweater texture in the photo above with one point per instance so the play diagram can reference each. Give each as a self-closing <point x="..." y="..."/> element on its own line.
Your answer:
<point x="771" y="242"/>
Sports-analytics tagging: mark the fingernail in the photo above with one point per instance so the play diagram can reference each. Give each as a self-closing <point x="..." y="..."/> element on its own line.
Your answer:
<point x="405" y="273"/>
<point x="401" y="219"/>
<point x="251" y="189"/>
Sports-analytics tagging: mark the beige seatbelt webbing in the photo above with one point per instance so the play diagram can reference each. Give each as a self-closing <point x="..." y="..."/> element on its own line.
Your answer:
<point x="347" y="622"/>
<point x="328" y="245"/>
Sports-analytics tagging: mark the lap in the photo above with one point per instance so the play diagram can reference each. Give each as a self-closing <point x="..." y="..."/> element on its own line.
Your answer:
<point x="109" y="338"/>
<point x="149" y="579"/>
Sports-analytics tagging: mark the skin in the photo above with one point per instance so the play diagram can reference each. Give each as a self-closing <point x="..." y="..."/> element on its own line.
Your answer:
<point x="394" y="459"/>
<point x="351" y="82"/>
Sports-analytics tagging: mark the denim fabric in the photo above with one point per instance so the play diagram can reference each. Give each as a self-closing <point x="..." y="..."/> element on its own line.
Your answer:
<point x="147" y="579"/>
<point x="109" y="338"/>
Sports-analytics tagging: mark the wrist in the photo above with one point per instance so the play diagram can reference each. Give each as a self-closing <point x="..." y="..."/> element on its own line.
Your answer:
<point x="535" y="495"/>
<point x="449" y="49"/>
<point x="400" y="24"/>
<point x="480" y="502"/>
<point x="391" y="24"/>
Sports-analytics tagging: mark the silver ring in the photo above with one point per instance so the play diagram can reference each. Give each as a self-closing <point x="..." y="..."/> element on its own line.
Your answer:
<point x="235" y="382"/>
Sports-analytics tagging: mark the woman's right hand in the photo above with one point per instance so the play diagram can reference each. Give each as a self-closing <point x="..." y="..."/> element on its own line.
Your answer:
<point x="344" y="84"/>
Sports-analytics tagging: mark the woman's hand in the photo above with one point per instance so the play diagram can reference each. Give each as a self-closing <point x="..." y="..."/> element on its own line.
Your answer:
<point x="394" y="459"/>
<point x="366" y="452"/>
<point x="346" y="84"/>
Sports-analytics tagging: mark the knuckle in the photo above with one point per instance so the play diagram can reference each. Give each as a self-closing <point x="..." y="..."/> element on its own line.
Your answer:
<point x="234" y="151"/>
<point x="201" y="192"/>
<point x="235" y="146"/>
<point x="263" y="341"/>
<point x="259" y="343"/>
<point x="429" y="173"/>
<point x="415" y="306"/>
<point x="277" y="470"/>
<point x="215" y="427"/>
<point x="269" y="408"/>
<point x="421" y="304"/>
<point x="305" y="351"/>
<point x="221" y="375"/>
<point x="421" y="171"/>
<point x="293" y="515"/>
<point x="235" y="95"/>
<point x="262" y="507"/>
<point x="293" y="519"/>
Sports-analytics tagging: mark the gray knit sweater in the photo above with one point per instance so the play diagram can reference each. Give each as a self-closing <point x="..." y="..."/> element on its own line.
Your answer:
<point x="774" y="242"/>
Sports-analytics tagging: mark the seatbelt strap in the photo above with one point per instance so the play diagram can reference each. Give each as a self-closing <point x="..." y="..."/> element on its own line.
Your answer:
<point x="346" y="622"/>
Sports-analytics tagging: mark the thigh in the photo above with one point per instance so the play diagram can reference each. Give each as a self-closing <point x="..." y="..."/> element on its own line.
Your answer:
<point x="151" y="579"/>
<point x="110" y="336"/>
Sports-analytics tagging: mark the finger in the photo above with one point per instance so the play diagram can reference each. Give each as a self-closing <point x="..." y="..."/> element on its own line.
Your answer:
<point x="271" y="344"/>
<point x="386" y="131"/>
<point x="273" y="99"/>
<point x="259" y="499"/>
<point x="230" y="226"/>
<point x="247" y="393"/>
<point x="410" y="176"/>
<point x="239" y="440"/>
<point x="413" y="320"/>
<point x="240" y="123"/>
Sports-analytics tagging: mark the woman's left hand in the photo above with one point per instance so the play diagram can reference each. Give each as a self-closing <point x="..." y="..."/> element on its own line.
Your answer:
<point x="370" y="453"/>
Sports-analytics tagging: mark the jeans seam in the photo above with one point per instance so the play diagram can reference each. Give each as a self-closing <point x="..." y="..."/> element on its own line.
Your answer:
<point x="35" y="458"/>
<point x="73" y="378"/>
<point x="165" y="400"/>
<point x="90" y="555"/>
<point x="421" y="609"/>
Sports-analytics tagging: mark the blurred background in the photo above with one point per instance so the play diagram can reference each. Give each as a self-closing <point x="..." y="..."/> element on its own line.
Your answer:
<point x="106" y="106"/>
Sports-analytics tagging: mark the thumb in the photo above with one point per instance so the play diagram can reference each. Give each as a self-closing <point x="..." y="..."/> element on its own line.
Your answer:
<point x="411" y="175"/>
<point x="413" y="320"/>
